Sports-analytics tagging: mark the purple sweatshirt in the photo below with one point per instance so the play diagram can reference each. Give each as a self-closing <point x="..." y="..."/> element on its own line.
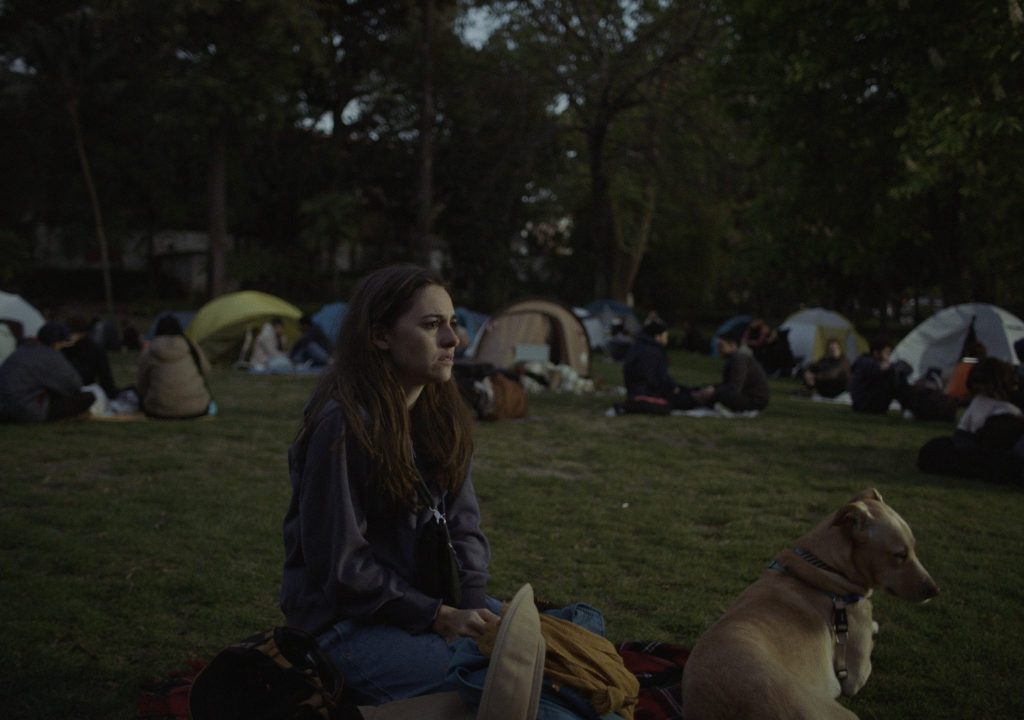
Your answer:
<point x="348" y="557"/>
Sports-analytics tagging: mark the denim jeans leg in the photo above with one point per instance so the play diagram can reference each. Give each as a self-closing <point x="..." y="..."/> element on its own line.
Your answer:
<point x="381" y="663"/>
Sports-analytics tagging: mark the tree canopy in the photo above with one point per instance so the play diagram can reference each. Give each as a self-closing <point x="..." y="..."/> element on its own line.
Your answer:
<point x="701" y="157"/>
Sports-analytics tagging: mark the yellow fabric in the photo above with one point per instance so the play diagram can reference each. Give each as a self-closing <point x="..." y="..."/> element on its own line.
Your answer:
<point x="585" y="662"/>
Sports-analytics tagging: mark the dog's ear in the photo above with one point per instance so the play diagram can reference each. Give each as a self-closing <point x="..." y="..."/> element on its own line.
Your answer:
<point x="869" y="494"/>
<point x="856" y="516"/>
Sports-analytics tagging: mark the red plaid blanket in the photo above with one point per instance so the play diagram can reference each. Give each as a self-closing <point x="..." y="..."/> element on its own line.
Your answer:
<point x="659" y="668"/>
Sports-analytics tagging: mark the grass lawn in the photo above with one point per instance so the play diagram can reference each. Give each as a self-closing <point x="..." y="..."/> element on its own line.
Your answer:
<point x="127" y="548"/>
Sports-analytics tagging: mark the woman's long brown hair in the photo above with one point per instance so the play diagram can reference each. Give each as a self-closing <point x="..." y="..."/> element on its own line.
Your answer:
<point x="364" y="381"/>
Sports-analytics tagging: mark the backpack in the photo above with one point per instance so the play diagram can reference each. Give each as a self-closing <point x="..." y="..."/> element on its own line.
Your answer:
<point x="279" y="674"/>
<point x="505" y="400"/>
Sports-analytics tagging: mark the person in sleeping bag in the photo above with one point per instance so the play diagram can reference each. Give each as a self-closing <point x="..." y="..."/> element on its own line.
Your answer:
<point x="385" y="562"/>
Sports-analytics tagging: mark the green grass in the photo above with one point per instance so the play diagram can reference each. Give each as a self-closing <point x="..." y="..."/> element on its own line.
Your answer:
<point x="127" y="548"/>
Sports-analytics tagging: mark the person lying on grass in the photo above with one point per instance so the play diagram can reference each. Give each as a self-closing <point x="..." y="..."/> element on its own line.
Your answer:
<point x="382" y="453"/>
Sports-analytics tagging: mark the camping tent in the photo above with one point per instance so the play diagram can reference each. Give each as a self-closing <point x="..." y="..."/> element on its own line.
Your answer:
<point x="597" y="334"/>
<point x="15" y="307"/>
<point x="221" y="324"/>
<point x="736" y="321"/>
<point x="518" y="331"/>
<point x="184" y="317"/>
<point x="329" y="319"/>
<point x="608" y="311"/>
<point x="811" y="328"/>
<point x="471" y="320"/>
<point x="938" y="342"/>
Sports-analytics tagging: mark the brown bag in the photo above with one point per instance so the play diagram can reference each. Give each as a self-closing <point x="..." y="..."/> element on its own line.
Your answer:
<point x="509" y="399"/>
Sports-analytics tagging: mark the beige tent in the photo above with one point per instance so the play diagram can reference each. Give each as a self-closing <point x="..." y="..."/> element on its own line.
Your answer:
<point x="533" y="329"/>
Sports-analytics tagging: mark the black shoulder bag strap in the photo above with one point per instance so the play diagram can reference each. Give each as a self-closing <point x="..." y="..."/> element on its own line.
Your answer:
<point x="440" y="563"/>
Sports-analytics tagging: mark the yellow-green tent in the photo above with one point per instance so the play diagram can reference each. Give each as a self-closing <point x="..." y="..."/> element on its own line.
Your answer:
<point x="221" y="324"/>
<point x="810" y="330"/>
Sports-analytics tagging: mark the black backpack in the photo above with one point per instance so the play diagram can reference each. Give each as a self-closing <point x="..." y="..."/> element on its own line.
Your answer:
<point x="280" y="674"/>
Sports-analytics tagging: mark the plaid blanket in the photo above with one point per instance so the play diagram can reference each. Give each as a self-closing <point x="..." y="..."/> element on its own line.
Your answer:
<point x="659" y="668"/>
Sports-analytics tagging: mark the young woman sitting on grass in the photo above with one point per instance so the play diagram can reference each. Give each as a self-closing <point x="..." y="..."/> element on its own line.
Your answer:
<point x="384" y="433"/>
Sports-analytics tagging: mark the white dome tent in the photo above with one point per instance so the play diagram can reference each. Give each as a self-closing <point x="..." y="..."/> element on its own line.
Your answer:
<point x="15" y="307"/>
<point x="810" y="329"/>
<point x="938" y="342"/>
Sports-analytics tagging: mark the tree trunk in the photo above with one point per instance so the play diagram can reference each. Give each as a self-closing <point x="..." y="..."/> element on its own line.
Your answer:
<point x="627" y="258"/>
<point x="217" y="224"/>
<point x="602" y="214"/>
<point x="101" y="235"/>
<point x="425" y="196"/>
<point x="629" y="254"/>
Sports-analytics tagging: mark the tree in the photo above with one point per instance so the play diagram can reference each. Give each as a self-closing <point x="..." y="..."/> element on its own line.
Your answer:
<point x="236" y="65"/>
<point x="609" y="63"/>
<point x="65" y="55"/>
<point x="883" y="136"/>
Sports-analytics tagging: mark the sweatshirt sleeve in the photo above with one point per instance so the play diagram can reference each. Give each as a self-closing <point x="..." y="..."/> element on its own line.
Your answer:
<point x="60" y="375"/>
<point x="339" y="559"/>
<point x="735" y="375"/>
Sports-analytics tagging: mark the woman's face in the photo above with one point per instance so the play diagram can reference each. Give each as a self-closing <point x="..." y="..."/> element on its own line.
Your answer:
<point x="834" y="349"/>
<point x="422" y="341"/>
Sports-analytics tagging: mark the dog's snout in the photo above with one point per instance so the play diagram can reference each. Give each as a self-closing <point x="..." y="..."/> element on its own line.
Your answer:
<point x="931" y="589"/>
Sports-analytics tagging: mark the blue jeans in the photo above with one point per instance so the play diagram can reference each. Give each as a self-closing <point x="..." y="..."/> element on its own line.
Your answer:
<point x="312" y="353"/>
<point x="381" y="663"/>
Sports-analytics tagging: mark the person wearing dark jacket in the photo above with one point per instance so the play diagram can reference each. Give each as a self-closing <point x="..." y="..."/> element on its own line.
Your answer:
<point x="88" y="358"/>
<point x="382" y="456"/>
<point x="645" y="370"/>
<point x="313" y="346"/>
<point x="38" y="384"/>
<point x="874" y="381"/>
<point x="829" y="376"/>
<point x="744" y="383"/>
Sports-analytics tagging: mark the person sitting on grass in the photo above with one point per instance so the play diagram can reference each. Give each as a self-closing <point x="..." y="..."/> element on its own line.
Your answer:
<point x="874" y="381"/>
<point x="830" y="374"/>
<point x="88" y="358"/>
<point x="649" y="387"/>
<point x="171" y="380"/>
<point x="988" y="442"/>
<point x="38" y="384"/>
<point x="990" y="419"/>
<point x="744" y="385"/>
<point x="380" y="475"/>
<point x="268" y="347"/>
<point x="313" y="348"/>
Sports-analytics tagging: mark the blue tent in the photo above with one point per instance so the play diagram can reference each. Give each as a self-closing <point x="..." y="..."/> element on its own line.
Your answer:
<point x="608" y="310"/>
<point x="736" y="321"/>
<point x="329" y="318"/>
<point x="471" y="320"/>
<point x="184" y="317"/>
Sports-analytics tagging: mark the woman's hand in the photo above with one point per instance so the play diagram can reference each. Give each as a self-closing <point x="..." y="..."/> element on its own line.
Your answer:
<point x="451" y="622"/>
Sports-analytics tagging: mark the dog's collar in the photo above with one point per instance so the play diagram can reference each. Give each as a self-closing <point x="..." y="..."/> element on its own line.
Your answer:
<point x="818" y="574"/>
<point x="840" y="622"/>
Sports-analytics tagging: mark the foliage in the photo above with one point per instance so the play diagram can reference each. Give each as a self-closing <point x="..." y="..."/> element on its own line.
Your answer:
<point x="704" y="157"/>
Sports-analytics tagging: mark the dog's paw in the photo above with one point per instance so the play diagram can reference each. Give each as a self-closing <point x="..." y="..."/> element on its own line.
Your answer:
<point x="874" y="627"/>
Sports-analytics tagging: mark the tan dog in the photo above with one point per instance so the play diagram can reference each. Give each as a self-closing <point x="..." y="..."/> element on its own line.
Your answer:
<point x="783" y="650"/>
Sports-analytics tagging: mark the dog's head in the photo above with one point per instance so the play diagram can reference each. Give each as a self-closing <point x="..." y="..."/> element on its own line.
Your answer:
<point x="883" y="548"/>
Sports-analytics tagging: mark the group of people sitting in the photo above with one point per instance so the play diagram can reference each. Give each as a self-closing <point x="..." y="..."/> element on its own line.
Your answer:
<point x="650" y="388"/>
<point x="269" y="351"/>
<point x="989" y="436"/>
<point x="62" y="372"/>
